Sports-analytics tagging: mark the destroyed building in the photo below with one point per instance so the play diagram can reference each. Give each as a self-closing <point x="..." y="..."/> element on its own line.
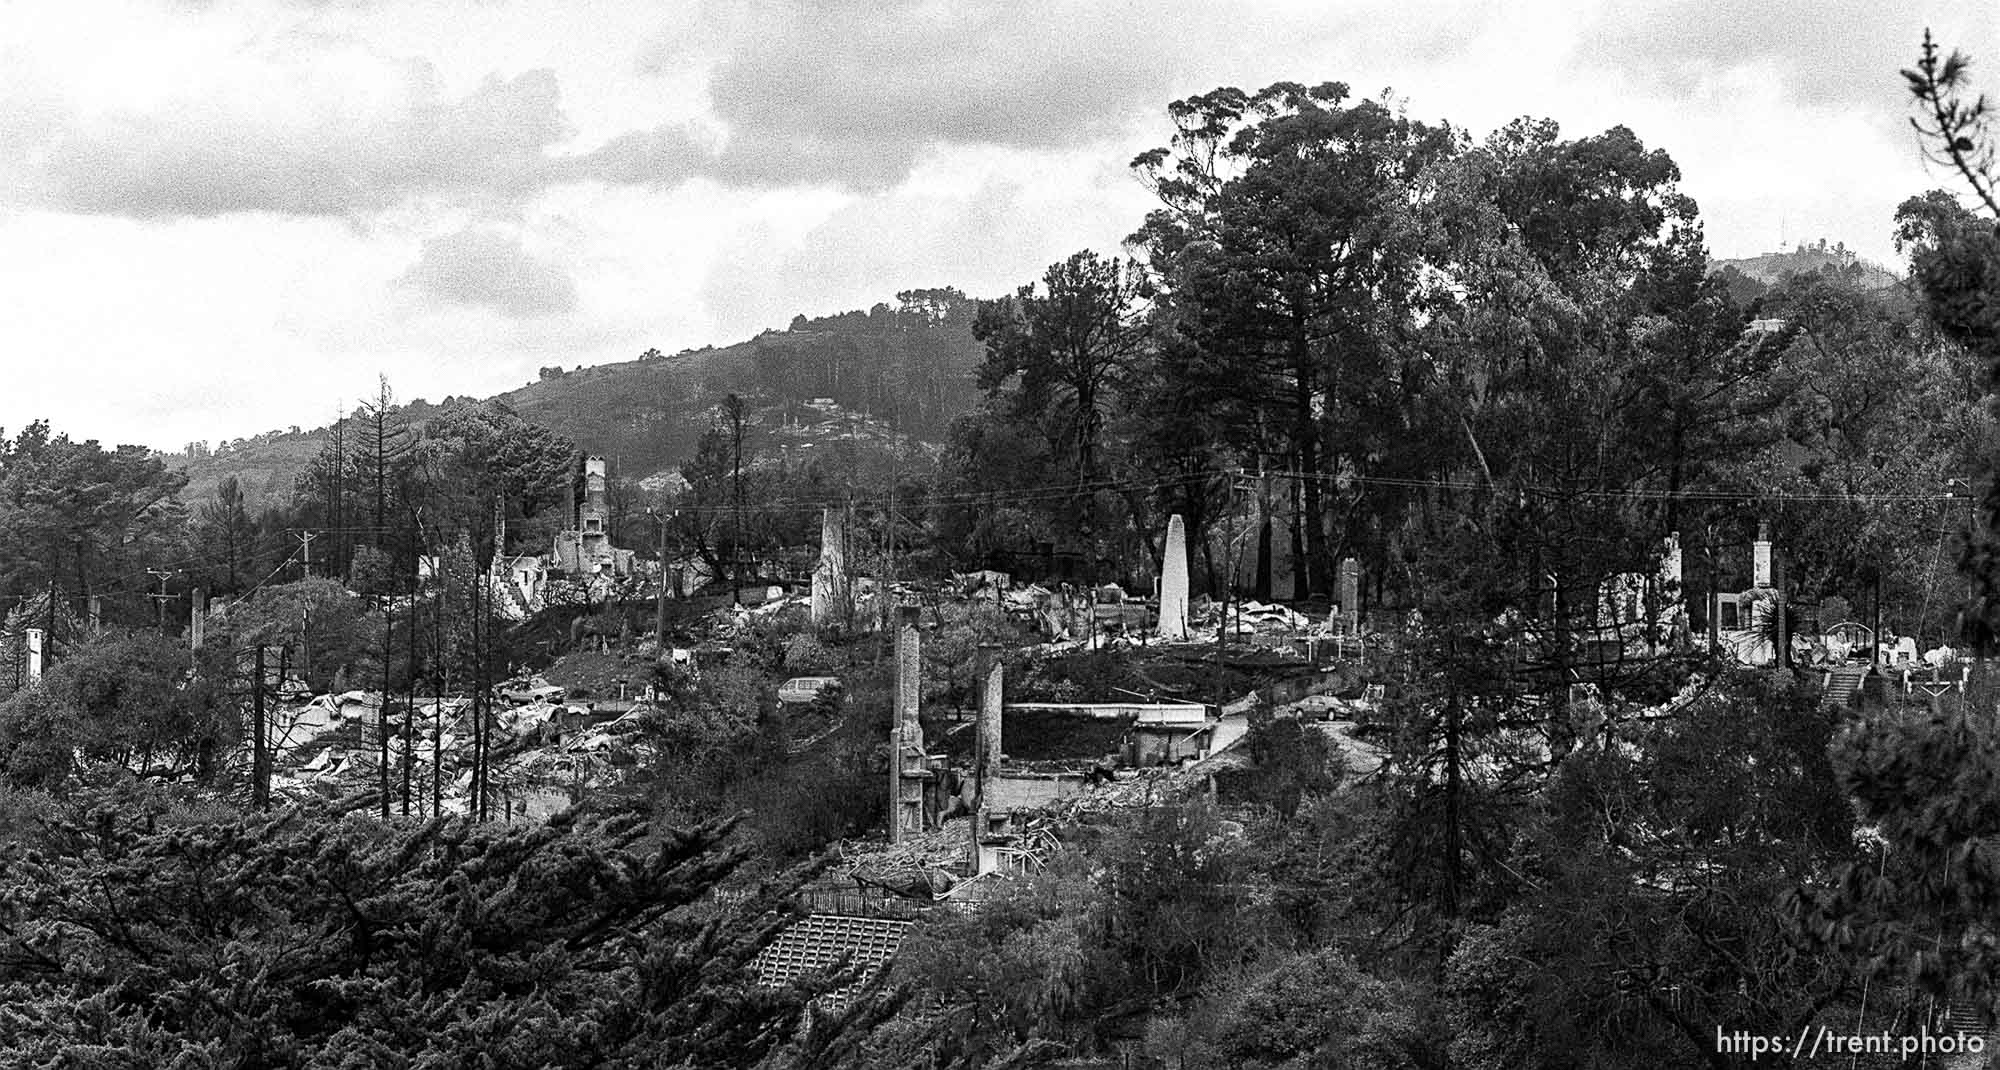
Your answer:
<point x="581" y="552"/>
<point x="585" y="550"/>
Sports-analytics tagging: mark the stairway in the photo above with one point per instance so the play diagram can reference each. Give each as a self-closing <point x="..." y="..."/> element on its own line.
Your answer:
<point x="825" y="941"/>
<point x="1961" y="1020"/>
<point x="1844" y="682"/>
<point x="1960" y="1016"/>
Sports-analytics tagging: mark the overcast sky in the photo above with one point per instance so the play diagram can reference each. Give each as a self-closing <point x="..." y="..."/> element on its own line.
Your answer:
<point x="218" y="219"/>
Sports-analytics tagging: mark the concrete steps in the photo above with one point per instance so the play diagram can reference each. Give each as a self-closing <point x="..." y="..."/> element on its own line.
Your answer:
<point x="1843" y="683"/>
<point x="820" y="941"/>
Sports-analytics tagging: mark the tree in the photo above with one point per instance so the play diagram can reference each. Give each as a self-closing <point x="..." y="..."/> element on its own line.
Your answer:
<point x="225" y="531"/>
<point x="1318" y="1008"/>
<point x="323" y="628"/>
<point x="1645" y="920"/>
<point x="1293" y="762"/>
<point x="1284" y="252"/>
<point x="384" y="449"/>
<point x="302" y="940"/>
<point x="131" y="700"/>
<point x="1025" y="967"/>
<point x="1072" y="347"/>
<point x="1875" y="412"/>
<point x="79" y="518"/>
<point x="1917" y="907"/>
<point x="1176" y="885"/>
<point x="472" y="454"/>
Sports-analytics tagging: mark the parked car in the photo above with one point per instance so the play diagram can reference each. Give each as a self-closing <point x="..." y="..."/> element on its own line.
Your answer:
<point x="802" y="689"/>
<point x="537" y="689"/>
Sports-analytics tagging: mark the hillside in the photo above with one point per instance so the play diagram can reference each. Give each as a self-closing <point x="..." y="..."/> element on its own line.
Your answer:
<point x="265" y="465"/>
<point x="1751" y="275"/>
<point x="910" y="368"/>
<point x="855" y="375"/>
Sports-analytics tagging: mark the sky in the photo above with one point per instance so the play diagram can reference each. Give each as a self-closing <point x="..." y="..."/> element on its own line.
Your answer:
<point x="218" y="219"/>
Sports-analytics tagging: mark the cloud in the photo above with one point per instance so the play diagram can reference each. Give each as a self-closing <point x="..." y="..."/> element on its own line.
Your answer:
<point x="306" y="120"/>
<point x="855" y="94"/>
<point x="482" y="268"/>
<point x="1818" y="53"/>
<point x="298" y="122"/>
<point x="230" y="153"/>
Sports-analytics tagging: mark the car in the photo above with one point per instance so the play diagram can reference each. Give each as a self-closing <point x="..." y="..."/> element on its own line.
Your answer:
<point x="802" y="689"/>
<point x="529" y="691"/>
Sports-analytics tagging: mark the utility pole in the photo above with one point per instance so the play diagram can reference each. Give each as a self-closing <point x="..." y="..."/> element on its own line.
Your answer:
<point x="660" y="602"/>
<point x="305" y="544"/>
<point x="735" y="409"/>
<point x="889" y="577"/>
<point x="260" y="761"/>
<point x="481" y="697"/>
<point x="440" y="683"/>
<point x="382" y="710"/>
<point x="1228" y="583"/>
<point x="410" y="697"/>
<point x="159" y="599"/>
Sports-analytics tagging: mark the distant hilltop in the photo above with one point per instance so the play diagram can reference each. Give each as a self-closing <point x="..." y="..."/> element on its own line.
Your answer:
<point x="1771" y="268"/>
<point x="896" y="372"/>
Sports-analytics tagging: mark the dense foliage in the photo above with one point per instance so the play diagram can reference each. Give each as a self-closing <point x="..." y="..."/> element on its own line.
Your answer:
<point x="135" y="934"/>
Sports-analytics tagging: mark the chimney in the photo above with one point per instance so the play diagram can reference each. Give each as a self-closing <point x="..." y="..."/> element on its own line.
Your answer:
<point x="906" y="735"/>
<point x="197" y="617"/>
<point x="596" y="503"/>
<point x="1760" y="557"/>
<point x="34" y="655"/>
<point x="1173" y="582"/>
<point x="499" y="536"/>
<point x="991" y="673"/>
<point x="1350" y="593"/>
<point x="829" y="586"/>
<point x="1670" y="566"/>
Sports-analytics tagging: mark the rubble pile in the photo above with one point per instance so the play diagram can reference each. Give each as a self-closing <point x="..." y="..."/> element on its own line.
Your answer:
<point x="922" y="866"/>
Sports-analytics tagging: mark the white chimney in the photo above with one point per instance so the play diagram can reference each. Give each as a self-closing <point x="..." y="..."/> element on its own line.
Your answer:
<point x="1760" y="557"/>
<point x="34" y="654"/>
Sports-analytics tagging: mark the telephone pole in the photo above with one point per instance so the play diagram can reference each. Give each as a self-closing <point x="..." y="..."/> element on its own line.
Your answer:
<point x="660" y="602"/>
<point x="305" y="544"/>
<point x="260" y="761"/>
<point x="160" y="598"/>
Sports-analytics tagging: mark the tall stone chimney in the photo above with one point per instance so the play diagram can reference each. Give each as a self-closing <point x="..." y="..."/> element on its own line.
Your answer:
<point x="34" y="654"/>
<point x="906" y="756"/>
<point x="991" y="674"/>
<point x="1350" y="592"/>
<point x="498" y="566"/>
<point x="1670" y="566"/>
<point x="1174" y="581"/>
<point x="596" y="502"/>
<point x="829" y="579"/>
<point x="197" y="617"/>
<point x="1760" y="557"/>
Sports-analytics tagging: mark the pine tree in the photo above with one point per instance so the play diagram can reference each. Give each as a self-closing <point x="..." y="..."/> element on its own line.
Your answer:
<point x="132" y="936"/>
